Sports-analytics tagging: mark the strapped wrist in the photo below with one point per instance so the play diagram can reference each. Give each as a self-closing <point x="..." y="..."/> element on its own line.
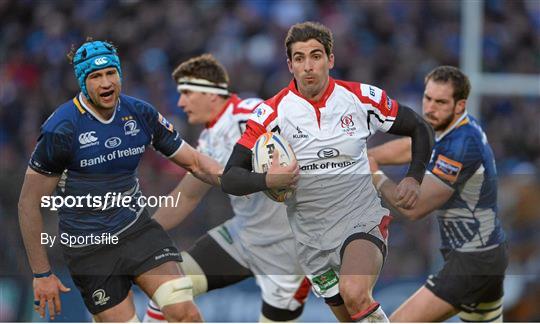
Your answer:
<point x="382" y="180"/>
<point x="43" y="274"/>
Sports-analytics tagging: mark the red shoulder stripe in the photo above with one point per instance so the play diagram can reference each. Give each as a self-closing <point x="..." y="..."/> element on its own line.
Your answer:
<point x="252" y="133"/>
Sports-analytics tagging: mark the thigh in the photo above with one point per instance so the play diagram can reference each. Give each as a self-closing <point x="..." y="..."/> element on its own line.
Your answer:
<point x="360" y="266"/>
<point x="361" y="257"/>
<point x="152" y="279"/>
<point x="424" y="306"/>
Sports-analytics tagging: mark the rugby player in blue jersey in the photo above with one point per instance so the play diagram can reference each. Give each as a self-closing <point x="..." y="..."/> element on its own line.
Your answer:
<point x="462" y="190"/>
<point x="93" y="144"/>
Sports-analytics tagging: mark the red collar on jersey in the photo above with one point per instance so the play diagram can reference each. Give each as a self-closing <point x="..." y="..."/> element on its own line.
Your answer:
<point x="233" y="99"/>
<point x="321" y="103"/>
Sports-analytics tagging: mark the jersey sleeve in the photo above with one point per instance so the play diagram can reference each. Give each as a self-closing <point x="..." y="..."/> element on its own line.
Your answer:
<point x="259" y="122"/>
<point x="54" y="149"/>
<point x="243" y="110"/>
<point x="454" y="162"/>
<point x="381" y="109"/>
<point x="165" y="138"/>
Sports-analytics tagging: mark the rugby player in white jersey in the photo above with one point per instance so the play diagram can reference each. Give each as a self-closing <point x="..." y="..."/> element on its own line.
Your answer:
<point x="336" y="215"/>
<point x="258" y="240"/>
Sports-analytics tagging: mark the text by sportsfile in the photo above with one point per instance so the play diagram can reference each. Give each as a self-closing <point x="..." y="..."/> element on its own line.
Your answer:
<point x="79" y="240"/>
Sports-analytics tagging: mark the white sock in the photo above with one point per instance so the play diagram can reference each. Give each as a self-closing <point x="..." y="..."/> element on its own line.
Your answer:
<point x="153" y="314"/>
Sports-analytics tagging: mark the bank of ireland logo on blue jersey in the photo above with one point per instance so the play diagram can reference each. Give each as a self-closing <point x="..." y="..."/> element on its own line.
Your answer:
<point x="130" y="128"/>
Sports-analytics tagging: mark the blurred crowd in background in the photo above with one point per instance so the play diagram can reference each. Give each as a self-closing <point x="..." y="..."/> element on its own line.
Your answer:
<point x="390" y="44"/>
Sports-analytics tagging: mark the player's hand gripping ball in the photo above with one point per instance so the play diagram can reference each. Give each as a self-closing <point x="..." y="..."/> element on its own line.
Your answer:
<point x="263" y="150"/>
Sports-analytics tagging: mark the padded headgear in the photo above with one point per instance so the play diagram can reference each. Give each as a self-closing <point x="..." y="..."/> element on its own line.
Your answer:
<point x="93" y="56"/>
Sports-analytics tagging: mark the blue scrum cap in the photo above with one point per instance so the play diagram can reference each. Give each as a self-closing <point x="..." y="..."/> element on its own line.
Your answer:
<point x="93" y="56"/>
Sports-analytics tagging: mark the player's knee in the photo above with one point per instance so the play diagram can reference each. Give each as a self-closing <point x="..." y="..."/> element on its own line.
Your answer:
<point x="182" y="312"/>
<point x="194" y="271"/>
<point x="355" y="297"/>
<point x="174" y="291"/>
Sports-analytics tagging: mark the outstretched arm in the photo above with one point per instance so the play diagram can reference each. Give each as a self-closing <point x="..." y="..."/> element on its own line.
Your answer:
<point x="393" y="152"/>
<point x="410" y="124"/>
<point x="433" y="193"/>
<point x="201" y="166"/>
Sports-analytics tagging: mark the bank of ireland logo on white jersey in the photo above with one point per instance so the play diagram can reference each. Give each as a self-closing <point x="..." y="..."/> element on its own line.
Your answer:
<point x="88" y="139"/>
<point x="101" y="60"/>
<point x="130" y="128"/>
<point x="100" y="297"/>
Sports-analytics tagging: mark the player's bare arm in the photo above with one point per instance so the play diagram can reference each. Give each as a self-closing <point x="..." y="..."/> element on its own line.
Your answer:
<point x="201" y="166"/>
<point x="191" y="191"/>
<point x="433" y="193"/>
<point x="47" y="287"/>
<point x="408" y="123"/>
<point x="393" y="152"/>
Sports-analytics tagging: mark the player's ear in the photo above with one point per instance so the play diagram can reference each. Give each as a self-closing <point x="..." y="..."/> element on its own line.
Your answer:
<point x="460" y="106"/>
<point x="331" y="61"/>
<point x="289" y="64"/>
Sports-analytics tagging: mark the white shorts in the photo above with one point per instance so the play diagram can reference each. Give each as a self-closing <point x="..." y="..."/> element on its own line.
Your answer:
<point x="322" y="266"/>
<point x="275" y="266"/>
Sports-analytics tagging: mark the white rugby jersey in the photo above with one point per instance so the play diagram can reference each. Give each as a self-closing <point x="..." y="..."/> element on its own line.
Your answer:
<point x="257" y="219"/>
<point x="329" y="139"/>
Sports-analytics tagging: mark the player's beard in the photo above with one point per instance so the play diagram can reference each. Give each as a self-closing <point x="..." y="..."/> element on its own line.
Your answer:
<point x="443" y="124"/>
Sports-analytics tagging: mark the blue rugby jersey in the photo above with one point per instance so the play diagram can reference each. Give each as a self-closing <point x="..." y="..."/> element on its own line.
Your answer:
<point x="96" y="156"/>
<point x="462" y="158"/>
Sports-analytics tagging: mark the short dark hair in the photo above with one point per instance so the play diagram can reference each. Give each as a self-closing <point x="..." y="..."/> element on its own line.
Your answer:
<point x="302" y="32"/>
<point x="202" y="67"/>
<point x="460" y="82"/>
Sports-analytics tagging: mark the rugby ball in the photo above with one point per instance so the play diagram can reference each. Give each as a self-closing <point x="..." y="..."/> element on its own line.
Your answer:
<point x="263" y="150"/>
